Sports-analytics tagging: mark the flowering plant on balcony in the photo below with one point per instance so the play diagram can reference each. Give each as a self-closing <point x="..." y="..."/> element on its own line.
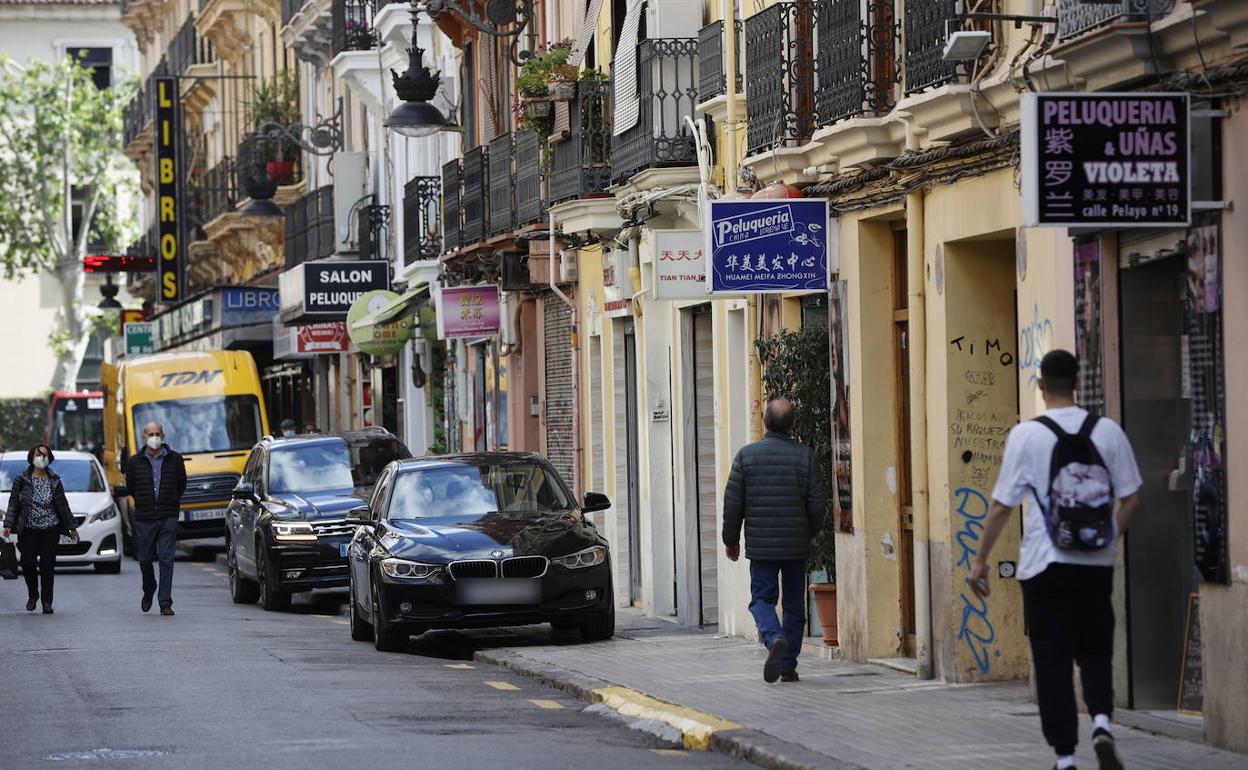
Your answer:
<point x="547" y="72"/>
<point x="276" y="101"/>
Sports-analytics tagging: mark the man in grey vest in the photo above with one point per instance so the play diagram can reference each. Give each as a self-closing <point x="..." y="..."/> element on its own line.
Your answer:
<point x="775" y="490"/>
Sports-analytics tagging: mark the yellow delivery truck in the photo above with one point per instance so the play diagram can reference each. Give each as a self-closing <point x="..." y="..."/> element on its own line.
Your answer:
<point x="212" y="409"/>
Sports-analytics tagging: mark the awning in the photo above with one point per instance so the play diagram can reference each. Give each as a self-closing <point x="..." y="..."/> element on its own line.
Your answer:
<point x="403" y="306"/>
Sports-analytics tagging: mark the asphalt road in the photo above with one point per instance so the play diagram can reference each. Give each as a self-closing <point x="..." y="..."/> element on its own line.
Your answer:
<point x="102" y="685"/>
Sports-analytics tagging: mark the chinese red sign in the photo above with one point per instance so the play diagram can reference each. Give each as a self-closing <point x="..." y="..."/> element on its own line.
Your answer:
<point x="679" y="264"/>
<point x="468" y="311"/>
<point x="322" y="338"/>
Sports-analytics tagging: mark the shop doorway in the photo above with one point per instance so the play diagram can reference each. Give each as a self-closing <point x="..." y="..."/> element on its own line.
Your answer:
<point x="1161" y="571"/>
<point x="627" y="460"/>
<point x="698" y="420"/>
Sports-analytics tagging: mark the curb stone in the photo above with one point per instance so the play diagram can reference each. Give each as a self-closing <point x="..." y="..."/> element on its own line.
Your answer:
<point x="724" y="737"/>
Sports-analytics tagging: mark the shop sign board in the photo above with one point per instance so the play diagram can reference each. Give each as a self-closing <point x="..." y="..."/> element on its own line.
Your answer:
<point x="617" y="283"/>
<point x="328" y="337"/>
<point x="769" y="245"/>
<point x="377" y="339"/>
<point x="1106" y="159"/>
<point x="187" y="318"/>
<point x="246" y="305"/>
<point x="679" y="264"/>
<point x="330" y="287"/>
<point x="168" y="200"/>
<point x="468" y="311"/>
<point x="140" y="338"/>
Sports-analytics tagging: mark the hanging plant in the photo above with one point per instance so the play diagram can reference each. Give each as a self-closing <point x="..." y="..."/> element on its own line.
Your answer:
<point x="535" y="78"/>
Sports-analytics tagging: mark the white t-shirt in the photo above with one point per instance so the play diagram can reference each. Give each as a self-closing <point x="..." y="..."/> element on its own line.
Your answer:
<point x="1025" y="467"/>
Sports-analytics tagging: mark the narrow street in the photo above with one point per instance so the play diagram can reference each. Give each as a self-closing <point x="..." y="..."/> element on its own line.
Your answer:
<point x="228" y="686"/>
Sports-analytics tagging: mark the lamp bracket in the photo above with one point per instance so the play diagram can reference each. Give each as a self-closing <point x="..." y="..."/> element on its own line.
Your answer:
<point x="322" y="138"/>
<point x="504" y="19"/>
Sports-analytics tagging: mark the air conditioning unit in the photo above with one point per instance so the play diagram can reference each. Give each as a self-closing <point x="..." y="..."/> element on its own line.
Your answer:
<point x="567" y="266"/>
<point x="350" y="187"/>
<point x="673" y="18"/>
<point x="515" y="271"/>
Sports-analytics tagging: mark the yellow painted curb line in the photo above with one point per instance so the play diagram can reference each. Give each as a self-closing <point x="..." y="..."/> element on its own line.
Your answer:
<point x="696" y="727"/>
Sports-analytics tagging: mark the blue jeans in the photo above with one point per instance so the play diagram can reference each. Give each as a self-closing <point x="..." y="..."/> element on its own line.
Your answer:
<point x="155" y="540"/>
<point x="769" y="579"/>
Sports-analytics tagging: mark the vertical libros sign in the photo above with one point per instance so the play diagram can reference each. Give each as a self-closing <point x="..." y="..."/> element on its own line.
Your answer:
<point x="168" y="173"/>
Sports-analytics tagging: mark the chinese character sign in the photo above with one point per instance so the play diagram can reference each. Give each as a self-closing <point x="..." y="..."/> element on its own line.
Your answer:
<point x="468" y="311"/>
<point x="769" y="246"/>
<point x="679" y="264"/>
<point x="1115" y="160"/>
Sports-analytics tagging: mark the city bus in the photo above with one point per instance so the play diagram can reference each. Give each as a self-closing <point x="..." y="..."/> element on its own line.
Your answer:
<point x="211" y="407"/>
<point x="76" y="422"/>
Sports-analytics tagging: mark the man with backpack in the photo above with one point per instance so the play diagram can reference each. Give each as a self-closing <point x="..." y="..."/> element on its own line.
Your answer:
<point x="1071" y="468"/>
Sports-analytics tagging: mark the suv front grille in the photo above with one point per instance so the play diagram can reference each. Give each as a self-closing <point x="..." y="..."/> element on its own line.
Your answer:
<point x="525" y="567"/>
<point x="336" y="528"/>
<point x="209" y="488"/>
<point x="478" y="568"/>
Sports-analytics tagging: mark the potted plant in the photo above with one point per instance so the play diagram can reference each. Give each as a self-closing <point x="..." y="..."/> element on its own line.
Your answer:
<point x="796" y="366"/>
<point x="276" y="101"/>
<point x="561" y="83"/>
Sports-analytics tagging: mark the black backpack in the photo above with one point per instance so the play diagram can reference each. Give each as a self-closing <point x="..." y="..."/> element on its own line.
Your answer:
<point x="1080" y="515"/>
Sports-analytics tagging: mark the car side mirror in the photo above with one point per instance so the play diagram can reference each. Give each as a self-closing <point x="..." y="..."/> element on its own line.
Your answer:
<point x="245" y="490"/>
<point x="595" y="501"/>
<point x="361" y="516"/>
<point x="121" y="490"/>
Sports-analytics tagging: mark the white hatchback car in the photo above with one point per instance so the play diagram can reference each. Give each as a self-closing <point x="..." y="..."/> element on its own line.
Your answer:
<point x="99" y="525"/>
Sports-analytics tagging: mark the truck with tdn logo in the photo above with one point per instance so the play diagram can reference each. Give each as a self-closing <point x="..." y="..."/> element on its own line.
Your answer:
<point x="212" y="410"/>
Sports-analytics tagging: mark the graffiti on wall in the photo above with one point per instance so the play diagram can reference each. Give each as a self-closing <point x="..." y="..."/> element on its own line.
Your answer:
<point x="1034" y="340"/>
<point x="975" y="628"/>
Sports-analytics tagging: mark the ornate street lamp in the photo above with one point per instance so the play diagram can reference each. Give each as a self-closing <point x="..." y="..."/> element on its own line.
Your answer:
<point x="415" y="116"/>
<point x="109" y="292"/>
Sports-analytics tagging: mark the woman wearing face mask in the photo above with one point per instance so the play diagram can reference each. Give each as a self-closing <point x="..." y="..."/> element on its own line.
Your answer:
<point x="39" y="513"/>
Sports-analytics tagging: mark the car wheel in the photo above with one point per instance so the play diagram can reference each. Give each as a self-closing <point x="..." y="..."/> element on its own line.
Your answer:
<point x="271" y="599"/>
<point x="108" y="567"/>
<point x="242" y="590"/>
<point x="601" y="628"/>
<point x="361" y="629"/>
<point x="385" y="638"/>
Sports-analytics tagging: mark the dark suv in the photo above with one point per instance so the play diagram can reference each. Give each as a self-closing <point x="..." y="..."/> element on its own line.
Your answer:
<point x="285" y="528"/>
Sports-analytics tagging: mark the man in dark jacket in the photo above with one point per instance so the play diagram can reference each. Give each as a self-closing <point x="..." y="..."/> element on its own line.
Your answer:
<point x="776" y="491"/>
<point x="156" y="478"/>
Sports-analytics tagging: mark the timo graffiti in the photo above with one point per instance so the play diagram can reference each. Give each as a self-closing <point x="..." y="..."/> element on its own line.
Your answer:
<point x="975" y="628"/>
<point x="1034" y="340"/>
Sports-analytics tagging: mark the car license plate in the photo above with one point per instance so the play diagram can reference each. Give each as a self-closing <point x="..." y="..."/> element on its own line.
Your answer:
<point x="498" y="591"/>
<point x="342" y="549"/>
<point x="66" y="540"/>
<point x="205" y="514"/>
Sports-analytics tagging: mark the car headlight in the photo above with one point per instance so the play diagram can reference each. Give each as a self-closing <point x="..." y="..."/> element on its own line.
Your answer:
<point x="590" y="557"/>
<point x="293" y="532"/>
<point x="104" y="514"/>
<point x="414" y="570"/>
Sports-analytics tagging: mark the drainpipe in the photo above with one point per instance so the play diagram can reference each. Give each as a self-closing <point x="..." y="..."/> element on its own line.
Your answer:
<point x="576" y="383"/>
<point x="729" y="13"/>
<point x="916" y="346"/>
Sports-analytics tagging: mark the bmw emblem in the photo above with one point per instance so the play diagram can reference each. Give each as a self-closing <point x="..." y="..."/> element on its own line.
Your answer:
<point x="496" y="554"/>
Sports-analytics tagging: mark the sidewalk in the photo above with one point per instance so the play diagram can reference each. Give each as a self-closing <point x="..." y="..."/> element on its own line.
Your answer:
<point x="840" y="715"/>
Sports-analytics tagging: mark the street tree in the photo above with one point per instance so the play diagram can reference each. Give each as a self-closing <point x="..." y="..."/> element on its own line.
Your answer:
<point x="60" y="150"/>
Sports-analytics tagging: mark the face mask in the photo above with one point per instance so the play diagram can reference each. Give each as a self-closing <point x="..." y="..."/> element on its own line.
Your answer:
<point x="41" y="462"/>
<point x="154" y="442"/>
<point x="288" y="433"/>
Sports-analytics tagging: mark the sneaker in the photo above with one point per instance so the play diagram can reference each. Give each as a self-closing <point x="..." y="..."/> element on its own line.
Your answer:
<point x="775" y="659"/>
<point x="1106" y="750"/>
<point x="146" y="604"/>
<point x="789" y="676"/>
<point x="166" y="610"/>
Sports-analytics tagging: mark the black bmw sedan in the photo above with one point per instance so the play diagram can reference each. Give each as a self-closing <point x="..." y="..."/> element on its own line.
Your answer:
<point x="285" y="528"/>
<point x="477" y="540"/>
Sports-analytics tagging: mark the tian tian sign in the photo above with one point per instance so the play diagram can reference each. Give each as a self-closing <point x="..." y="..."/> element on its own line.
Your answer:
<point x="679" y="264"/>
<point x="1111" y="160"/>
<point x="769" y="245"/>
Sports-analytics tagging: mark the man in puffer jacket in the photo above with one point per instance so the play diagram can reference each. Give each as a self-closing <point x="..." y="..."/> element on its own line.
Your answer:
<point x="156" y="478"/>
<point x="775" y="490"/>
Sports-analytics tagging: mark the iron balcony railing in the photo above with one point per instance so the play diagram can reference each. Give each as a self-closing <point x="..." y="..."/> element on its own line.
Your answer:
<point x="712" y="80"/>
<point x="371" y="231"/>
<point x="667" y="91"/>
<point x="780" y="59"/>
<point x="188" y="49"/>
<point x="581" y="163"/>
<point x="856" y="59"/>
<point x="211" y="194"/>
<point x="310" y="227"/>
<point x="924" y="65"/>
<point x="420" y="219"/>
<point x="1075" y="17"/>
<point x="476" y="200"/>
<point x="291" y="9"/>
<point x="501" y="212"/>
<point x="141" y="109"/>
<point x="352" y="24"/>
<point x="530" y="201"/>
<point x="452" y="211"/>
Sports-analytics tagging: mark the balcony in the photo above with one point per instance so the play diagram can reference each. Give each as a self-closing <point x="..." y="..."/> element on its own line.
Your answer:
<point x="452" y="214"/>
<point x="211" y="194"/>
<point x="856" y="59"/>
<point x="501" y="185"/>
<point x="530" y="202"/>
<point x="310" y="227"/>
<point x="228" y="24"/>
<point x="1077" y="17"/>
<point x="352" y="25"/>
<point x="187" y="49"/>
<point x="476" y="200"/>
<point x="581" y="163"/>
<point x="306" y="29"/>
<point x="373" y="226"/>
<point x="712" y="80"/>
<point x="667" y="90"/>
<point x="924" y="65"/>
<point x="780" y="58"/>
<point x="421" y="239"/>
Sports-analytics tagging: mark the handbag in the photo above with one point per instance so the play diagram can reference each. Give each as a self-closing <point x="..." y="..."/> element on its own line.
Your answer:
<point x="8" y="560"/>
